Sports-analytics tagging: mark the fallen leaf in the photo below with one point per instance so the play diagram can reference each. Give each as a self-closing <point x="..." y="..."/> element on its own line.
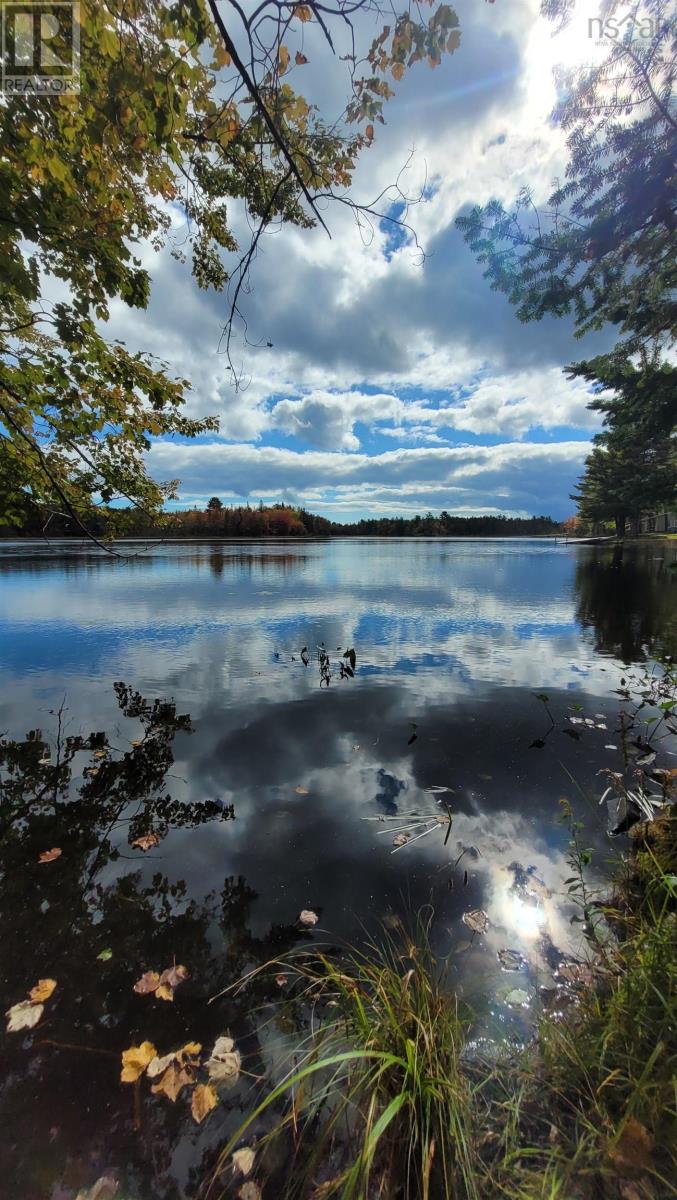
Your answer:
<point x="477" y="920"/>
<point x="518" y="998"/>
<point x="174" y="1080"/>
<point x="149" y="982"/>
<point x="147" y="841"/>
<point x="633" y="1150"/>
<point x="105" y="1188"/>
<point x="170" y="980"/>
<point x="42" y="991"/>
<point x="249" y="1191"/>
<point x="105" y="955"/>
<point x="243" y="1160"/>
<point x="308" y="917"/>
<point x="301" y="791"/>
<point x="164" y="992"/>
<point x="23" y="1015"/>
<point x="135" y="1060"/>
<point x="203" y="1101"/>
<point x="157" y="1065"/>
<point x="401" y="839"/>
<point x="281" y="980"/>
<point x="576" y="973"/>
<point x="224" y="1062"/>
<point x="510" y="960"/>
<point x="49" y="856"/>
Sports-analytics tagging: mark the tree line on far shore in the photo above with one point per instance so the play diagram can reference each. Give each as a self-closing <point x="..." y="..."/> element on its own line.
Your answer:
<point x="218" y="520"/>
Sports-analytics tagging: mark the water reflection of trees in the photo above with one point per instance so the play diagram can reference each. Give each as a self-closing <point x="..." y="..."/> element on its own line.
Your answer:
<point x="66" y="1118"/>
<point x="628" y="599"/>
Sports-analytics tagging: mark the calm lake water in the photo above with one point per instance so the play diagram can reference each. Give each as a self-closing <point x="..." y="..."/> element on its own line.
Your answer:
<point x="454" y="642"/>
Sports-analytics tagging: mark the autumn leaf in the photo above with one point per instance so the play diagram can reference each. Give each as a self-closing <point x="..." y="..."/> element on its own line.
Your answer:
<point x="42" y="991"/>
<point x="301" y="791"/>
<point x="401" y="839"/>
<point x="477" y="920"/>
<point x="147" y="841"/>
<point x="397" y="71"/>
<point x="281" y="980"/>
<point x="174" y="1079"/>
<point x="249" y="1191"/>
<point x="224" y="1063"/>
<point x="369" y="133"/>
<point x="24" y="1015"/>
<point x="222" y="57"/>
<point x="203" y="1101"/>
<point x="157" y="1065"/>
<point x="243" y="1160"/>
<point x="49" y="856"/>
<point x="300" y="59"/>
<point x="303" y="12"/>
<point x="149" y="982"/>
<point x="135" y="1060"/>
<point x="308" y="918"/>
<point x="283" y="59"/>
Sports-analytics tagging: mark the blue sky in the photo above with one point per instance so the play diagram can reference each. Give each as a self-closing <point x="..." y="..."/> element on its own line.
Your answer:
<point x="393" y="384"/>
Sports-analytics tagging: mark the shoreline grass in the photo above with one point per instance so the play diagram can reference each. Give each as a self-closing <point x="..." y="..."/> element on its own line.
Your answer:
<point x="386" y="1100"/>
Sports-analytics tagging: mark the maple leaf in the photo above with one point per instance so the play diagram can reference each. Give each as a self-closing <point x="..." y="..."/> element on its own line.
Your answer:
<point x="42" y="991"/>
<point x="135" y="1060"/>
<point x="173" y="1080"/>
<point x="49" y="856"/>
<point x="203" y="1101"/>
<point x="149" y="982"/>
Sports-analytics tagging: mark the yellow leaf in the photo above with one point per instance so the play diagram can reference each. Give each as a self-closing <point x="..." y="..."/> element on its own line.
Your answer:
<point x="303" y="12"/>
<point x="135" y="1060"/>
<point x="397" y="71"/>
<point x="147" y="983"/>
<point x="42" y="990"/>
<point x="222" y="57"/>
<point x="190" y="1050"/>
<point x="283" y="59"/>
<point x="164" y="992"/>
<point x="173" y="1081"/>
<point x="204" y="1100"/>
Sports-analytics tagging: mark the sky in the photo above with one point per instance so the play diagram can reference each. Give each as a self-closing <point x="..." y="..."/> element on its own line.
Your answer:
<point x="393" y="384"/>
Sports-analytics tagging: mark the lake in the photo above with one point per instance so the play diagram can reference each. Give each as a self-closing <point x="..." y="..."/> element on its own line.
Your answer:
<point x="271" y="778"/>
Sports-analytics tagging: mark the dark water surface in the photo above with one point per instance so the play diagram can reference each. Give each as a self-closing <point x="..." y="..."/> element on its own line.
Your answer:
<point x="454" y="640"/>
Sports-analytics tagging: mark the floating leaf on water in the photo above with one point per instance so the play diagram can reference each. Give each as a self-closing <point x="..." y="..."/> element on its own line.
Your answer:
<point x="576" y="973"/>
<point x="135" y="1060"/>
<point x="249" y="1191"/>
<point x="308" y="918"/>
<point x="105" y="955"/>
<point x="645" y="760"/>
<point x="281" y="980"/>
<point x="301" y="791"/>
<point x="224" y="1063"/>
<point x="174" y="1079"/>
<point x="149" y="982"/>
<point x="157" y="1065"/>
<point x="23" y="1015"/>
<point x="511" y="960"/>
<point x="42" y="991"/>
<point x="243" y="1160"/>
<point x="518" y="998"/>
<point x="610" y="747"/>
<point x="401" y="839"/>
<point x="49" y="856"/>
<point x="170" y="980"/>
<point x="203" y="1101"/>
<point x="477" y="920"/>
<point x="147" y="841"/>
<point x="105" y="1188"/>
<point x="634" y="1148"/>
<point x="438" y="787"/>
